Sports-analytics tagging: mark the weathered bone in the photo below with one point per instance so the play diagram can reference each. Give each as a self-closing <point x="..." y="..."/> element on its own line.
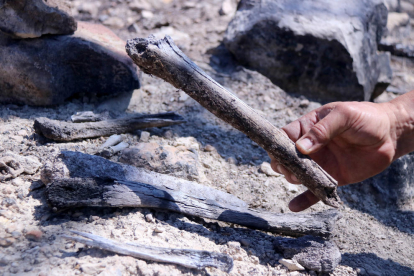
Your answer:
<point x="186" y="257"/>
<point x="163" y="59"/>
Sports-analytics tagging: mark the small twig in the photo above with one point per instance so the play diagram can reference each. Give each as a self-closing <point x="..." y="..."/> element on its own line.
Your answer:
<point x="186" y="257"/>
<point x="64" y="131"/>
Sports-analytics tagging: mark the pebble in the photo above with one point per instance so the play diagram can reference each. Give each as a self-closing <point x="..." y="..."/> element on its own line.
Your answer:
<point x="304" y="103"/>
<point x="147" y="14"/>
<point x="8" y="190"/>
<point x="149" y="218"/>
<point x="255" y="260"/>
<point x="6" y="214"/>
<point x="114" y="22"/>
<point x="234" y="245"/>
<point x="209" y="148"/>
<point x="183" y="96"/>
<point x="159" y="229"/>
<point x="292" y="265"/>
<point x="267" y="169"/>
<point x="34" y="235"/>
<point x="5" y="242"/>
<point x="145" y="135"/>
<point x="168" y="134"/>
<point x="92" y="269"/>
<point x="8" y="201"/>
<point x="227" y="8"/>
<point x="112" y="141"/>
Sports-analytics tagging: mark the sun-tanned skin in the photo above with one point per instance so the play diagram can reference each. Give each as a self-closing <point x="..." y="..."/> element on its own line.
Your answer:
<point x="352" y="141"/>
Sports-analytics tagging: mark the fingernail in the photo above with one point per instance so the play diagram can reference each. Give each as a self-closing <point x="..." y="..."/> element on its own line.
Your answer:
<point x="294" y="178"/>
<point x="280" y="169"/>
<point x="305" y="144"/>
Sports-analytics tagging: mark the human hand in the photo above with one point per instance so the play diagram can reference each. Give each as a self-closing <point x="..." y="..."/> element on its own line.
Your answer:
<point x="352" y="141"/>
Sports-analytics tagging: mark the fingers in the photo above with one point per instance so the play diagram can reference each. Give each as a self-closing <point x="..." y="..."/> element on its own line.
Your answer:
<point x="282" y="170"/>
<point x="303" y="201"/>
<point x="331" y="121"/>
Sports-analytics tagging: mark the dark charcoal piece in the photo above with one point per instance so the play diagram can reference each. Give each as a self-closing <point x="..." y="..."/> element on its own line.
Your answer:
<point x="320" y="48"/>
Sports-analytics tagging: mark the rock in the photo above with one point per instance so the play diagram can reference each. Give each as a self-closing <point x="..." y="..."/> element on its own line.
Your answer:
<point x="149" y="218"/>
<point x="30" y="164"/>
<point x="209" y="148"/>
<point x="114" y="22"/>
<point x="177" y="161"/>
<point x="292" y="265"/>
<point x="112" y="141"/>
<point x="34" y="18"/>
<point x="311" y="252"/>
<point x="144" y="137"/>
<point x="267" y="169"/>
<point x="320" y="48"/>
<point x="34" y="235"/>
<point x="159" y="229"/>
<point x="139" y="5"/>
<point x="228" y="8"/>
<point x="395" y="185"/>
<point x="397" y="20"/>
<point x="92" y="269"/>
<point x="6" y="242"/>
<point x="47" y="71"/>
<point x="188" y="142"/>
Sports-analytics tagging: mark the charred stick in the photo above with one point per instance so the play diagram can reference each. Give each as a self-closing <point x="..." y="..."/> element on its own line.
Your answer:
<point x="64" y="131"/>
<point x="96" y="192"/>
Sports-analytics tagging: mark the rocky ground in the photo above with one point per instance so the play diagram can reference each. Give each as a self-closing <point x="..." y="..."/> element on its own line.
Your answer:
<point x="375" y="238"/>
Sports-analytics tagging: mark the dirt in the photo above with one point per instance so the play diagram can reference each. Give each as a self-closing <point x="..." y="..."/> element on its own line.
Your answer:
<point x="374" y="238"/>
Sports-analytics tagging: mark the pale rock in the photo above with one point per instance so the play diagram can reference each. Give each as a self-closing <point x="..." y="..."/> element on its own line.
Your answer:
<point x="92" y="269"/>
<point x="159" y="229"/>
<point x="188" y="142"/>
<point x="147" y="14"/>
<point x="144" y="137"/>
<point x="112" y="141"/>
<point x="183" y="96"/>
<point x="176" y="35"/>
<point x="114" y="22"/>
<point x="209" y="148"/>
<point x="228" y="7"/>
<point x="396" y="20"/>
<point x="291" y="265"/>
<point x="90" y="7"/>
<point x="149" y="218"/>
<point x="139" y="5"/>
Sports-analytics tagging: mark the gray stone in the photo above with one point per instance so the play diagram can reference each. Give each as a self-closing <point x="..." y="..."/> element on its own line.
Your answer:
<point x="177" y="161"/>
<point x="395" y="185"/>
<point x="34" y="18"/>
<point x="47" y="71"/>
<point x="311" y="252"/>
<point x="320" y="48"/>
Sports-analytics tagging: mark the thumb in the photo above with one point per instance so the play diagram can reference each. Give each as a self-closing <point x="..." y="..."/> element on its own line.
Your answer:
<point x="332" y="122"/>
